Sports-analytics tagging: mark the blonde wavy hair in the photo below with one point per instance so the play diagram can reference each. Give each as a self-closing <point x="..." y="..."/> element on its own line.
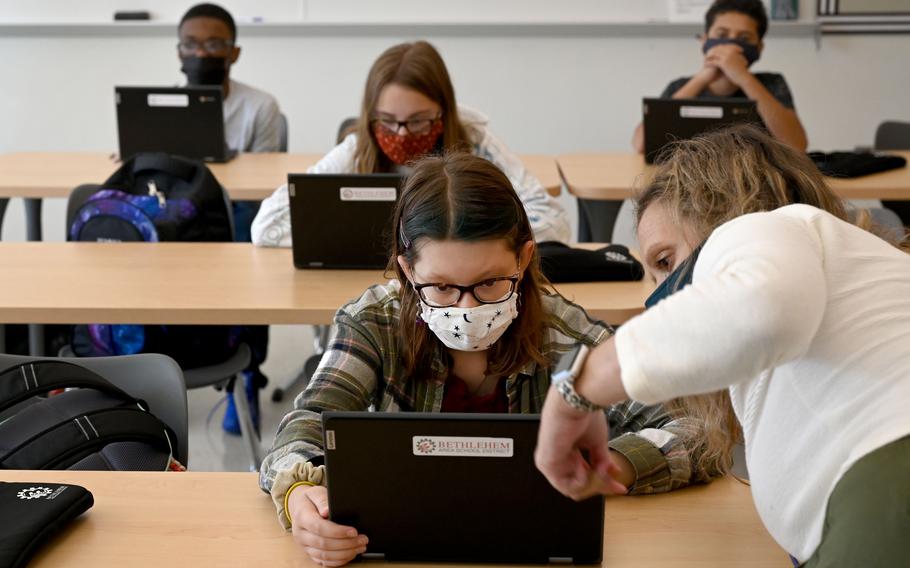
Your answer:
<point x="714" y="178"/>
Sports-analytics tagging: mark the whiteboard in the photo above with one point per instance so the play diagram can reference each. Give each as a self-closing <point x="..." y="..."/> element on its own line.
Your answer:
<point x="98" y="11"/>
<point x="346" y="11"/>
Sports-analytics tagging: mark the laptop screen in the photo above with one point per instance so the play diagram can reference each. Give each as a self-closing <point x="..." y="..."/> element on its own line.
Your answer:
<point x="342" y="220"/>
<point x="453" y="488"/>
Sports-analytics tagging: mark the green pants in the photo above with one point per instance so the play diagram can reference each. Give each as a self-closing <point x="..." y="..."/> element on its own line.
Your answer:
<point x="868" y="518"/>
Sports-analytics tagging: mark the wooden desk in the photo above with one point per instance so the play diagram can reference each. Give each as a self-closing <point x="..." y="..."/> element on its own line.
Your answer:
<point x="246" y="177"/>
<point x="55" y="174"/>
<point x="223" y="519"/>
<point x="208" y="283"/>
<point x="614" y="176"/>
<point x="544" y="169"/>
<point x="894" y="184"/>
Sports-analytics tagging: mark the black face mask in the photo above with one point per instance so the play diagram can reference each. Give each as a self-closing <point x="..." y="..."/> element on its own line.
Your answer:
<point x="750" y="50"/>
<point x="676" y="280"/>
<point x="204" y="70"/>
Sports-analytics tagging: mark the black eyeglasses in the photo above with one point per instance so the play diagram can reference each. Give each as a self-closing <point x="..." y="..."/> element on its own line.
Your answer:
<point x="211" y="46"/>
<point x="489" y="291"/>
<point x="413" y="125"/>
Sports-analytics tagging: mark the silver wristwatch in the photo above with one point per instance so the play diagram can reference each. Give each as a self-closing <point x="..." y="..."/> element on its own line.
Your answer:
<point x="568" y="369"/>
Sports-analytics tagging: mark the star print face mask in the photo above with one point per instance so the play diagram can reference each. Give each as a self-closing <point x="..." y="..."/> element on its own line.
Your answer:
<point x="470" y="329"/>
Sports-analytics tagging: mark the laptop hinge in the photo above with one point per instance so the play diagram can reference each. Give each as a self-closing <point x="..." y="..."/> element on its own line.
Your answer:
<point x="373" y="556"/>
<point x="560" y="560"/>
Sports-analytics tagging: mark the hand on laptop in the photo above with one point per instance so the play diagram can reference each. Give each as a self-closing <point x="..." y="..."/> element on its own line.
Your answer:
<point x="564" y="434"/>
<point x="325" y="542"/>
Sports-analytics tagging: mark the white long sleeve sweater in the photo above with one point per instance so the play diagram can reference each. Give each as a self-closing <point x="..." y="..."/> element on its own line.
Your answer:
<point x="806" y="319"/>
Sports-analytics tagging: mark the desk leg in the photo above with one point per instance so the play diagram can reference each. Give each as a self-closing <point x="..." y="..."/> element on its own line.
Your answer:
<point x="596" y="219"/>
<point x="33" y="218"/>
<point x="33" y="233"/>
<point x="3" y="203"/>
<point x="36" y="340"/>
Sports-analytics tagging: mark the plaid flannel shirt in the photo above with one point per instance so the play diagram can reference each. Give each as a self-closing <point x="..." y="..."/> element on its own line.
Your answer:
<point x="362" y="370"/>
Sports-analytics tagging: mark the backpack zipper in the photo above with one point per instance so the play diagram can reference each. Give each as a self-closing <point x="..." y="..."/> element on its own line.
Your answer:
<point x="153" y="191"/>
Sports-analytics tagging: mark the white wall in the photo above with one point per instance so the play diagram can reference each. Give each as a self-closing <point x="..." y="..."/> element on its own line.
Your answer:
<point x="543" y="94"/>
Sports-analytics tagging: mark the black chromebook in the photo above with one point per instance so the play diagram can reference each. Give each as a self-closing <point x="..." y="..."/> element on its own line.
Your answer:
<point x="186" y="121"/>
<point x="668" y="120"/>
<point x="342" y="220"/>
<point x="453" y="488"/>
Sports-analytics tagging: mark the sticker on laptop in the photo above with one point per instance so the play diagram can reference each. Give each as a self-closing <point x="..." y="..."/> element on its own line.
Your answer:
<point x="368" y="193"/>
<point x="168" y="100"/>
<point x="463" y="446"/>
<point x="701" y="111"/>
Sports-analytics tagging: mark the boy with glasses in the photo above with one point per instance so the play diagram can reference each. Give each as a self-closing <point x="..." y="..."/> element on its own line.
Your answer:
<point x="207" y="50"/>
<point x="252" y="123"/>
<point x="732" y="42"/>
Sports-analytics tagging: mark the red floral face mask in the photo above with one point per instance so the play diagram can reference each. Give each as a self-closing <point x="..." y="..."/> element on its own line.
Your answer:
<point x="403" y="148"/>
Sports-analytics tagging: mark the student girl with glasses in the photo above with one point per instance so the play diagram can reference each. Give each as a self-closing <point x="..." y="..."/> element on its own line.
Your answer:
<point x="467" y="325"/>
<point x="409" y="111"/>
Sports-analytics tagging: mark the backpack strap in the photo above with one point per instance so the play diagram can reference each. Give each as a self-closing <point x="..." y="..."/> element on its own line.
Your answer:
<point x="21" y="382"/>
<point x="70" y="441"/>
<point x="163" y="163"/>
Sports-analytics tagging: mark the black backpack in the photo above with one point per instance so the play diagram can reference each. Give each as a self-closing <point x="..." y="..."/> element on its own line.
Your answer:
<point x="561" y="263"/>
<point x="95" y="426"/>
<point x="155" y="197"/>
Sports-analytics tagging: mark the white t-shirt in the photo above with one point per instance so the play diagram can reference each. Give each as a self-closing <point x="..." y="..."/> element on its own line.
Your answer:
<point x="549" y="221"/>
<point x="806" y="319"/>
<point x="252" y="120"/>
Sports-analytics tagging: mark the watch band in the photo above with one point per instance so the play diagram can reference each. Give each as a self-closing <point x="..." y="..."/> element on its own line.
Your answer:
<point x="566" y="389"/>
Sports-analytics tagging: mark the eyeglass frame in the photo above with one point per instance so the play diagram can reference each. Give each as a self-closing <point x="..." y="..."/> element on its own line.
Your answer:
<point x="228" y="44"/>
<point x="399" y="123"/>
<point x="514" y="279"/>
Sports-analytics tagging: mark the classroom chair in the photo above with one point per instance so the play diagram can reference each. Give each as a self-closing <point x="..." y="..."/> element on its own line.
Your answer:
<point x="226" y="374"/>
<point x="346" y="127"/>
<point x="154" y="378"/>
<point x="283" y="134"/>
<point x="895" y="135"/>
<point x="892" y="135"/>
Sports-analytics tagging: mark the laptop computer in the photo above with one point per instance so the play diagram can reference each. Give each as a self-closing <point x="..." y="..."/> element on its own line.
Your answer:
<point x="342" y="220"/>
<point x="186" y="121"/>
<point x="668" y="120"/>
<point x="453" y="488"/>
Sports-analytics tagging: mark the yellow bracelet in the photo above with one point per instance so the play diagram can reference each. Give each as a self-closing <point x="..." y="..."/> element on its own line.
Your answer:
<point x="288" y="494"/>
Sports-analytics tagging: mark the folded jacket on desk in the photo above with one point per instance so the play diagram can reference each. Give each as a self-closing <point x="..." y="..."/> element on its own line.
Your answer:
<point x="32" y="512"/>
<point x="855" y="164"/>
<point x="562" y="263"/>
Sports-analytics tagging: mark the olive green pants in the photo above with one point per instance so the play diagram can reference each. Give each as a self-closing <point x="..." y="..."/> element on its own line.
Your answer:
<point x="868" y="518"/>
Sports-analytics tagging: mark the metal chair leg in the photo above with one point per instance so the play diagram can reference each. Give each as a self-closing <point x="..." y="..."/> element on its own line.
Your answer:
<point x="247" y="429"/>
<point x="320" y="342"/>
